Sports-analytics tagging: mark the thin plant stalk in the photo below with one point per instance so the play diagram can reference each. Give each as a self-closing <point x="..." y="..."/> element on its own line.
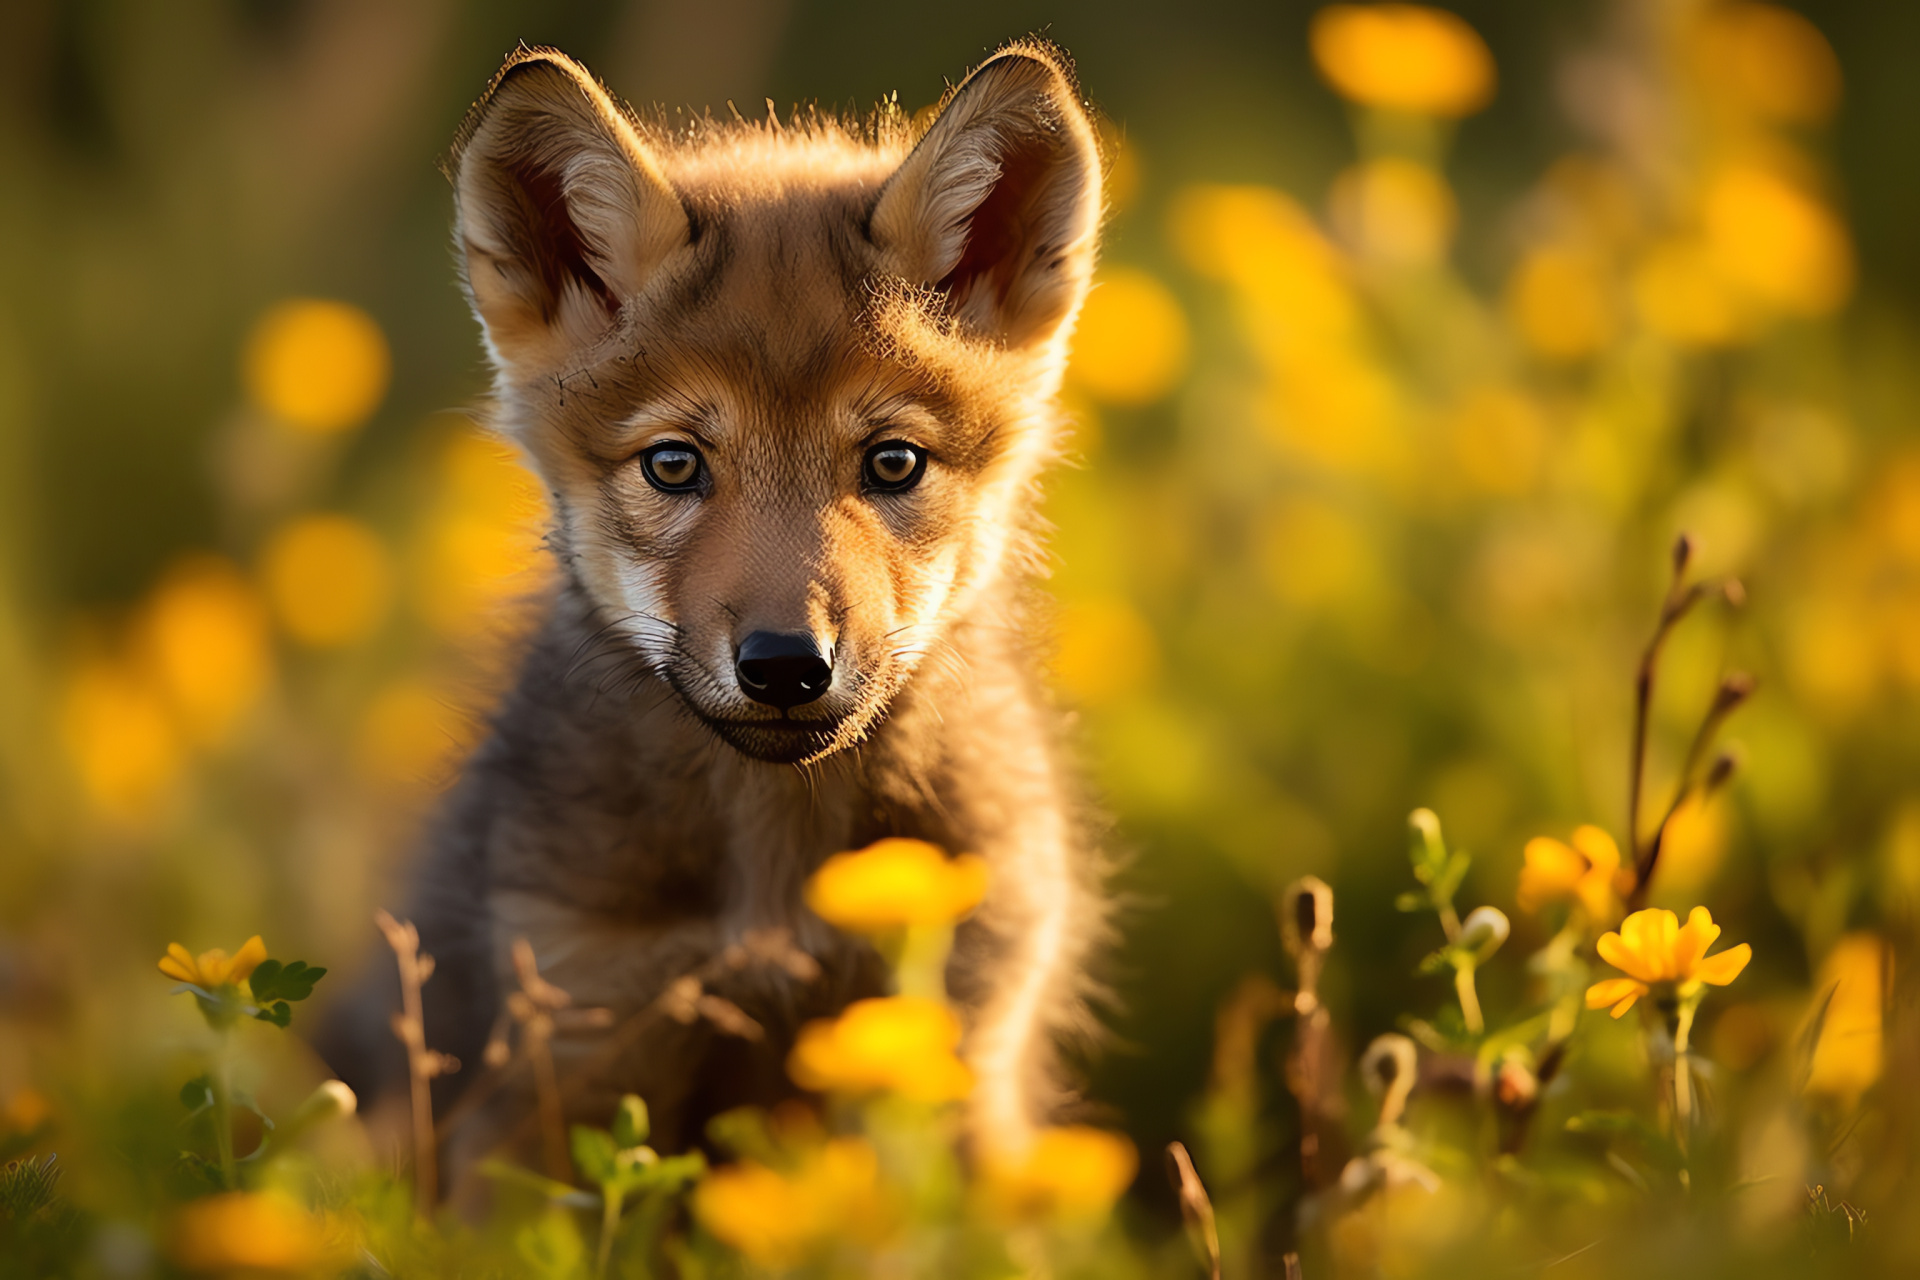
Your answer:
<point x="222" y="1089"/>
<point x="610" y="1203"/>
<point x="423" y="1064"/>
<point x="1469" y="999"/>
<point x="1683" y="1074"/>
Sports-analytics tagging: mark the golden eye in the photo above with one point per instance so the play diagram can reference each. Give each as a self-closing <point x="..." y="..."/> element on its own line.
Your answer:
<point x="895" y="466"/>
<point x="672" y="467"/>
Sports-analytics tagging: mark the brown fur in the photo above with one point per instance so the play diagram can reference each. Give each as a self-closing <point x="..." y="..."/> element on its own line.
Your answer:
<point x="779" y="297"/>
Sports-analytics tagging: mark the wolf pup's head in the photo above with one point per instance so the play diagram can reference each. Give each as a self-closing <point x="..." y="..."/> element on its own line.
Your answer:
<point x="788" y="386"/>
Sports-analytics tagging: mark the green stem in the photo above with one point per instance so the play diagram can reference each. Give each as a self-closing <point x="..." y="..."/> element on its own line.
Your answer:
<point x="1469" y="998"/>
<point x="1683" y="1074"/>
<point x="609" y="1224"/>
<point x="223" y="1117"/>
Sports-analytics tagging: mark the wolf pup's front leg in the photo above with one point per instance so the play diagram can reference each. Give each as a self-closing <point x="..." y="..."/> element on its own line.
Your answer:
<point x="789" y="389"/>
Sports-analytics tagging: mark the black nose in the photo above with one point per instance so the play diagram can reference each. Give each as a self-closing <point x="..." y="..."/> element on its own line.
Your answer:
<point x="782" y="670"/>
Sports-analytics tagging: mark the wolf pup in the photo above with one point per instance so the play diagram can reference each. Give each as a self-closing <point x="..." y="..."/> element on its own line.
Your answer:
<point x="789" y="388"/>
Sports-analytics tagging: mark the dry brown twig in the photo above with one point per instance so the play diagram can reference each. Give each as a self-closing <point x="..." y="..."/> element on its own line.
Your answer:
<point x="1306" y="928"/>
<point x="541" y="1009"/>
<point x="685" y="1000"/>
<point x="1735" y="689"/>
<point x="1196" y="1209"/>
<point x="423" y="1064"/>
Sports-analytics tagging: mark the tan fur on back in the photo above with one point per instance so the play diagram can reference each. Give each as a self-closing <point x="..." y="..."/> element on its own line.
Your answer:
<point x="779" y="299"/>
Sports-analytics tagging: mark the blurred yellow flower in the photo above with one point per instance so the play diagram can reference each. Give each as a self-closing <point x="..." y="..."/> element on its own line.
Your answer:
<point x="26" y="1110"/>
<point x="900" y="1043"/>
<point x="1561" y="303"/>
<point x="410" y="734"/>
<point x="121" y="740"/>
<point x="1106" y="650"/>
<point x="328" y="579"/>
<point x="1394" y="210"/>
<point x="215" y="968"/>
<point x="1652" y="946"/>
<point x="484" y="539"/>
<point x="1680" y="296"/>
<point x="1768" y="60"/>
<point x="777" y="1218"/>
<point x="1071" y="1172"/>
<point x="248" y="1231"/>
<point x="1693" y="847"/>
<point x="1850" y="1054"/>
<point x="1500" y="439"/>
<point x="1403" y="57"/>
<point x="1778" y="242"/>
<point x="1314" y="555"/>
<point x="1584" y="871"/>
<point x="206" y="633"/>
<point x="894" y="883"/>
<point x="317" y="365"/>
<point x="1130" y="345"/>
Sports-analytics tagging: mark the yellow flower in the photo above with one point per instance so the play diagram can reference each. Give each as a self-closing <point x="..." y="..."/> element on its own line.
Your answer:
<point x="248" y="1230"/>
<point x="1584" y="870"/>
<point x="902" y="1043"/>
<point x="213" y="969"/>
<point x="1405" y="57"/>
<point x="1654" y="947"/>
<point x="894" y="883"/>
<point x="777" y="1218"/>
<point x="1074" y="1171"/>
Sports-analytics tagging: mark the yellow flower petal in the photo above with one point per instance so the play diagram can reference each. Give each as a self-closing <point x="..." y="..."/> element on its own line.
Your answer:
<point x="1618" y="992"/>
<point x="1598" y="848"/>
<point x="1691" y="941"/>
<point x="251" y="953"/>
<point x="212" y="965"/>
<point x="894" y="883"/>
<point x="1719" y="970"/>
<point x="178" y="964"/>
<point x="1551" y="871"/>
<point x="900" y="1043"/>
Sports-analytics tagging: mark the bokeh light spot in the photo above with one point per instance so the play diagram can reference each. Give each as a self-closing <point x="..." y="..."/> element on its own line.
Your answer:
<point x="1130" y="346"/>
<point x="1403" y="57"/>
<point x="328" y="579"/>
<point x="317" y="365"/>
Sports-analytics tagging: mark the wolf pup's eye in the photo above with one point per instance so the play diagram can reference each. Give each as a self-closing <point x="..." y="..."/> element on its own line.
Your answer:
<point x="672" y="467"/>
<point x="894" y="466"/>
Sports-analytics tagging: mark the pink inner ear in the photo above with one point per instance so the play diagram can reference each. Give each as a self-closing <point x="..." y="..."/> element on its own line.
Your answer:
<point x="999" y="229"/>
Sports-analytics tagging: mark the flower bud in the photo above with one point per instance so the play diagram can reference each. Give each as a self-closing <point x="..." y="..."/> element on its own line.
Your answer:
<point x="1482" y="932"/>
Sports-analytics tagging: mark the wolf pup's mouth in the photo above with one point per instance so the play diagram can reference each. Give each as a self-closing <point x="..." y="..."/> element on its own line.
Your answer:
<point x="777" y="741"/>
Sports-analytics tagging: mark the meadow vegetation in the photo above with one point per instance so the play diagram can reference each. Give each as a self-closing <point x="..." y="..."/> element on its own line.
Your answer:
<point x="1502" y="681"/>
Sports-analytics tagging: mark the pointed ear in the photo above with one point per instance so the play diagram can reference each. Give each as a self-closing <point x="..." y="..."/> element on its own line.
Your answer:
<point x="998" y="206"/>
<point x="562" y="213"/>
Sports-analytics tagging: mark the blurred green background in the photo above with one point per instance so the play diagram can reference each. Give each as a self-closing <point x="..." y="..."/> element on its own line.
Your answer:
<point x="1387" y="420"/>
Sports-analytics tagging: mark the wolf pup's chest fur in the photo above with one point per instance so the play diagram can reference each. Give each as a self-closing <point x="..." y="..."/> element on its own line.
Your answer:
<point x="789" y="391"/>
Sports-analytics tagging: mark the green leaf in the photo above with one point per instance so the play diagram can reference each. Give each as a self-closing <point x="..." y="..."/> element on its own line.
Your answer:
<point x="196" y="1095"/>
<point x="594" y="1154"/>
<point x="1438" y="961"/>
<point x="1411" y="901"/>
<point x="279" y="1015"/>
<point x="558" y="1192"/>
<point x="274" y="981"/>
<point x="1447" y="881"/>
<point x="631" y="1125"/>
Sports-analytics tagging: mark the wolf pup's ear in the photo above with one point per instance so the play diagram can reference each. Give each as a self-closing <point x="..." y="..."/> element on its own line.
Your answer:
<point x="562" y="214"/>
<point x="998" y="206"/>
